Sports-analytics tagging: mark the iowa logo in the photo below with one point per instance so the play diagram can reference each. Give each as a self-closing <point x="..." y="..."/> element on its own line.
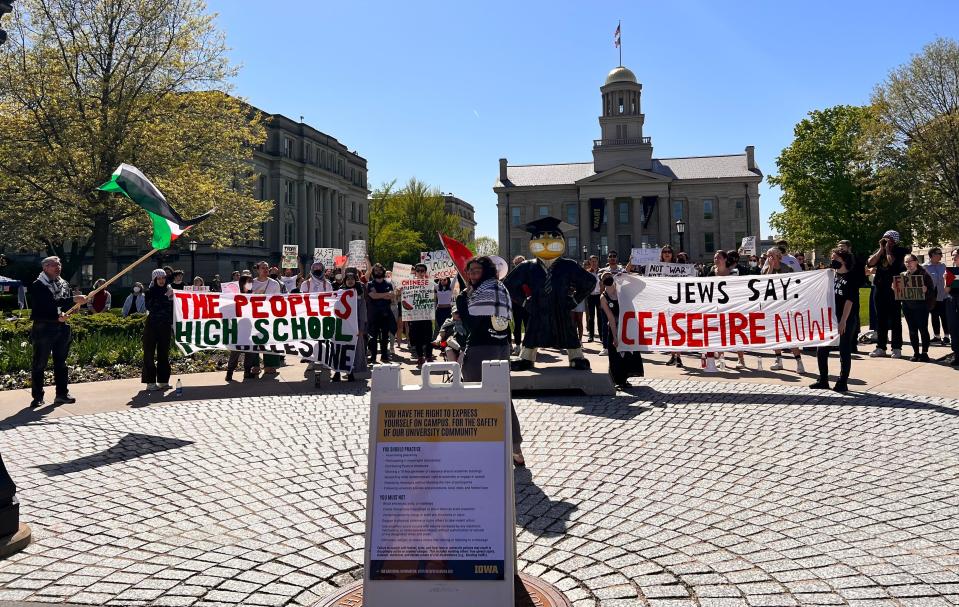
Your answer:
<point x="485" y="569"/>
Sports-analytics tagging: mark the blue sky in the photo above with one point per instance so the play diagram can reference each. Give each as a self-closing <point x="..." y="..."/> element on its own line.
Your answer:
<point x="441" y="90"/>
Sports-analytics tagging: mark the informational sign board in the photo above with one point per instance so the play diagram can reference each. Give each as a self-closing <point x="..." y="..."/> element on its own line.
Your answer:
<point x="438" y="264"/>
<point x="644" y="256"/>
<point x="326" y="256"/>
<point x="419" y="299"/>
<point x="440" y="518"/>
<point x="670" y="269"/>
<point x="357" y="254"/>
<point x="908" y="287"/>
<point x="290" y="254"/>
<point x="748" y="245"/>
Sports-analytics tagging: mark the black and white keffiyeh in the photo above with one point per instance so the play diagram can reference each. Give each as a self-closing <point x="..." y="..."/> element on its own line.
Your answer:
<point x="59" y="287"/>
<point x="490" y="298"/>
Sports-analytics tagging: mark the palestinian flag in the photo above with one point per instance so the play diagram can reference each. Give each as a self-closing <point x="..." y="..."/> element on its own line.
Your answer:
<point x="459" y="253"/>
<point x="167" y="223"/>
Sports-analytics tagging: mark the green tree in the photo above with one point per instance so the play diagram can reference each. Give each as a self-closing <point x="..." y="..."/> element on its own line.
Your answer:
<point x="407" y="221"/>
<point x="920" y="102"/>
<point x="89" y="84"/>
<point x="839" y="181"/>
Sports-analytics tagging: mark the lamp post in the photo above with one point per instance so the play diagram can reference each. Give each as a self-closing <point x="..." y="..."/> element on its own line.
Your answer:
<point x="193" y="246"/>
<point x="585" y="252"/>
<point x="680" y="229"/>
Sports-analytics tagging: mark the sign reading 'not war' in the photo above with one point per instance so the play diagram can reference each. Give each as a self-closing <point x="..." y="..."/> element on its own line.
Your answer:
<point x="726" y="313"/>
<point x="321" y="327"/>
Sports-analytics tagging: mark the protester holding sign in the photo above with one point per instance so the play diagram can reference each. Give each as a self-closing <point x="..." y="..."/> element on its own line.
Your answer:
<point x="420" y="330"/>
<point x="917" y="311"/>
<point x="351" y="281"/>
<point x="720" y="268"/>
<point x="317" y="281"/>
<point x="622" y="365"/>
<point x="846" y="289"/>
<point x="776" y="265"/>
<point x="266" y="284"/>
<point x="157" y="333"/>
<point x="888" y="261"/>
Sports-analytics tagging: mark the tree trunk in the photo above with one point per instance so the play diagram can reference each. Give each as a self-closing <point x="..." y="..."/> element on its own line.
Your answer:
<point x="101" y="245"/>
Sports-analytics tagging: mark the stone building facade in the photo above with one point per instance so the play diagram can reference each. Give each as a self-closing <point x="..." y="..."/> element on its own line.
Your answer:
<point x="463" y="210"/>
<point x="625" y="198"/>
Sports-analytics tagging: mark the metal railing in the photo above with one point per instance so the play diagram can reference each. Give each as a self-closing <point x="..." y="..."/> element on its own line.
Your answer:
<point x="630" y="141"/>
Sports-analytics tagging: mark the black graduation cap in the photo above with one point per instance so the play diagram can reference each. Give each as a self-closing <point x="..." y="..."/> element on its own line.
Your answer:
<point x="547" y="224"/>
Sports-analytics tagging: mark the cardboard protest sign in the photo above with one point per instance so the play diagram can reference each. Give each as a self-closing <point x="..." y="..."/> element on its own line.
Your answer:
<point x="749" y="245"/>
<point x="230" y="287"/>
<point x="290" y="254"/>
<point x="419" y="299"/>
<point x="401" y="271"/>
<point x="726" y="313"/>
<point x="908" y="287"/>
<point x="670" y="269"/>
<point x="644" y="256"/>
<point x="193" y="288"/>
<point x="357" y="255"/>
<point x="326" y="256"/>
<point x="438" y="264"/>
<point x="321" y="327"/>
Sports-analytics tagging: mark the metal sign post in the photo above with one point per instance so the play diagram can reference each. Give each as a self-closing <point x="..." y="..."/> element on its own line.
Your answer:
<point x="440" y="511"/>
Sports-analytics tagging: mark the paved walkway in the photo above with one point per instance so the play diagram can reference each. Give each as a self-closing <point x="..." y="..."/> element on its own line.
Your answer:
<point x="678" y="493"/>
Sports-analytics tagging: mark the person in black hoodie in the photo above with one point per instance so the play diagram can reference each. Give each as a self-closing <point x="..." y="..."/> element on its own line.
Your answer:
<point x="157" y="331"/>
<point x="51" y="297"/>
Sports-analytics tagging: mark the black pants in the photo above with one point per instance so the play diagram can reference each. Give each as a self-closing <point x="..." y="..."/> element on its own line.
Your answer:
<point x="625" y="365"/>
<point x="888" y="317"/>
<point x="952" y="313"/>
<point x="592" y="311"/>
<point x="381" y="326"/>
<point x="49" y="338"/>
<point x="938" y="315"/>
<point x="249" y="361"/>
<point x="847" y="342"/>
<point x="917" y="319"/>
<point x="603" y="329"/>
<point x="442" y="315"/>
<point x="520" y="320"/>
<point x="421" y="333"/>
<point x="156" y="354"/>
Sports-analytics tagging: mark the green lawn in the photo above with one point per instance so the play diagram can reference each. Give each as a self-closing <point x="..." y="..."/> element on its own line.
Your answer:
<point x="864" y="308"/>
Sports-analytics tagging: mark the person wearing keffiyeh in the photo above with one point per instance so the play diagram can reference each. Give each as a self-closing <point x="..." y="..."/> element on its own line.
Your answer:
<point x="51" y="298"/>
<point x="484" y="309"/>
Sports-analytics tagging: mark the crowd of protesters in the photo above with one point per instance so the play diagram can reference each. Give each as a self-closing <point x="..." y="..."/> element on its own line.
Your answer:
<point x="383" y="329"/>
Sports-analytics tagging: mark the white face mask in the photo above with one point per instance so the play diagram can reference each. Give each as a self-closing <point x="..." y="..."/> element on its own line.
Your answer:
<point x="753" y="264"/>
<point x="136" y="289"/>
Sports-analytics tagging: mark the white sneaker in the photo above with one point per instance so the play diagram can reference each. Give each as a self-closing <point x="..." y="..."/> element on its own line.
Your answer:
<point x="777" y="366"/>
<point x="799" y="367"/>
<point x="152" y="387"/>
<point x="878" y="353"/>
<point x="897" y="354"/>
<point x="603" y="352"/>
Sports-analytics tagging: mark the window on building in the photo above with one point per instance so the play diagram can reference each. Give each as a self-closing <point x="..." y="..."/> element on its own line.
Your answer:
<point x="677" y="210"/>
<point x="707" y="208"/>
<point x="262" y="185"/>
<point x="572" y="214"/>
<point x="514" y="248"/>
<point x="738" y="239"/>
<point x="624" y="242"/>
<point x="289" y="228"/>
<point x="708" y="242"/>
<point x="543" y="210"/>
<point x="572" y="247"/>
<point x="740" y="205"/>
<point x="287" y="147"/>
<point x="517" y="213"/>
<point x="622" y="107"/>
<point x="623" y="212"/>
<point x="353" y="211"/>
<point x="307" y="152"/>
<point x="603" y="246"/>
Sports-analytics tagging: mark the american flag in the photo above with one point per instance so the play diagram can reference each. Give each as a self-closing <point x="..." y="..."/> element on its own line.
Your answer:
<point x="616" y="37"/>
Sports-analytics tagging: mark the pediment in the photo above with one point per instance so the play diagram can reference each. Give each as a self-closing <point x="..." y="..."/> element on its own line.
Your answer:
<point x="624" y="174"/>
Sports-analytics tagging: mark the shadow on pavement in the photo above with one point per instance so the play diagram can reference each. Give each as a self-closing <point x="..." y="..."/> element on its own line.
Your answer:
<point x="129" y="447"/>
<point x="245" y="388"/>
<point x="535" y="511"/>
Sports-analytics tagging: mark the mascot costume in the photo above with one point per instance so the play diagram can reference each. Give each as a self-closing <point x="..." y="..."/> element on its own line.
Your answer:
<point x="549" y="287"/>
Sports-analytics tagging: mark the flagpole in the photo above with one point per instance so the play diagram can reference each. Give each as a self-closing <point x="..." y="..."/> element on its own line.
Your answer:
<point x="112" y="280"/>
<point x="619" y="28"/>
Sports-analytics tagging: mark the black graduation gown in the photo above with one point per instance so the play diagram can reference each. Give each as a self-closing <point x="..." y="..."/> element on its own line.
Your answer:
<point x="550" y="324"/>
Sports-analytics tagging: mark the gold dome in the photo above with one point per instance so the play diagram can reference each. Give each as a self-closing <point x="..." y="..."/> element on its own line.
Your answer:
<point x="621" y="74"/>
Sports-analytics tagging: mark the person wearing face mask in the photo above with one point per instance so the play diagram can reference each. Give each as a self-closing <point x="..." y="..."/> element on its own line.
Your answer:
<point x="753" y="267"/>
<point x="888" y="262"/>
<point x="382" y="322"/>
<point x="157" y="331"/>
<point x="917" y="311"/>
<point x="351" y="281"/>
<point x="421" y="331"/>
<point x="135" y="301"/>
<point x="621" y="366"/>
<point x="317" y="281"/>
<point x="846" y="289"/>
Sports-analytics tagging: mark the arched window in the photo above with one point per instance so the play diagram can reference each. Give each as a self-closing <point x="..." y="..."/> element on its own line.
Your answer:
<point x="289" y="227"/>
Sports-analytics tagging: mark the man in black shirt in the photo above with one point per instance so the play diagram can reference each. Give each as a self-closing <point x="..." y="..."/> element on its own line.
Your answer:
<point x="888" y="261"/>
<point x="50" y="297"/>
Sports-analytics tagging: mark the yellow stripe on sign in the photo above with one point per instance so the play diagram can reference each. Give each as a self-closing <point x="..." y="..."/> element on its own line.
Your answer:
<point x="421" y="423"/>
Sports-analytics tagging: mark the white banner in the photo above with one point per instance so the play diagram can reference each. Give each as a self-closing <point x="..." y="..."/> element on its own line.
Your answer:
<point x="670" y="269"/>
<point x="643" y="256"/>
<point x="438" y="264"/>
<point x="321" y="327"/>
<point x="726" y="313"/>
